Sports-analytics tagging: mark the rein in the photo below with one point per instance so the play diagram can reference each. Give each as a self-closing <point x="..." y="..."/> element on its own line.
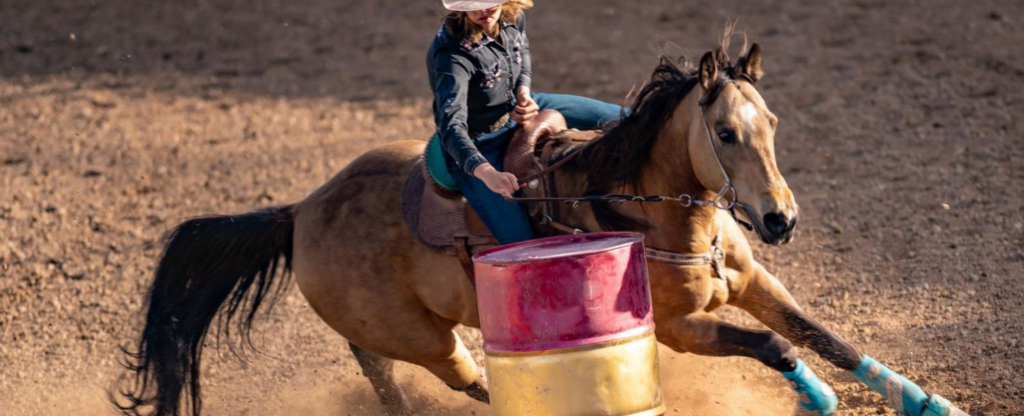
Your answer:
<point x="684" y="199"/>
<point x="715" y="256"/>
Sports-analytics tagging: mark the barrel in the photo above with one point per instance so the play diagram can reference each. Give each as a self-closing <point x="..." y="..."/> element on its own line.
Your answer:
<point x="568" y="327"/>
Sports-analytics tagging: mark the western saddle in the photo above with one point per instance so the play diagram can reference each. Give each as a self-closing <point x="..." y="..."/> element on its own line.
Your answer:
<point x="442" y="220"/>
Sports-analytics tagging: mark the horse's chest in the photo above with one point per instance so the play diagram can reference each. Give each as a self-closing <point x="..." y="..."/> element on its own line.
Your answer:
<point x="719" y="293"/>
<point x="686" y="289"/>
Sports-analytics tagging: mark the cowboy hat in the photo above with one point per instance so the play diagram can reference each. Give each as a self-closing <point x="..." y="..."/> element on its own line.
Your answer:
<point x="470" y="5"/>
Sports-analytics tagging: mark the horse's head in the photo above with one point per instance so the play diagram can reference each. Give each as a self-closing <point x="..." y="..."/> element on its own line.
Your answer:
<point x="739" y="138"/>
<point x="697" y="130"/>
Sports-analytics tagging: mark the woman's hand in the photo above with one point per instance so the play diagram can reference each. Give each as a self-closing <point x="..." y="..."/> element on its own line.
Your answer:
<point x="501" y="183"/>
<point x="526" y="109"/>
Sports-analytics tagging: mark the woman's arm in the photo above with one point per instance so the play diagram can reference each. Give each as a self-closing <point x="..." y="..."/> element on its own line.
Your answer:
<point x="526" y="109"/>
<point x="525" y="76"/>
<point x="451" y="88"/>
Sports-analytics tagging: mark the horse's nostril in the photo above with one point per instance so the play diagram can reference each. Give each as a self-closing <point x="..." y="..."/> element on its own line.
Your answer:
<point x="776" y="223"/>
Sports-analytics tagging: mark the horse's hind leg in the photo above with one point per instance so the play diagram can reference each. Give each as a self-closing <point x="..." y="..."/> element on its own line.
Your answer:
<point x="450" y="360"/>
<point x="426" y="340"/>
<point x="379" y="371"/>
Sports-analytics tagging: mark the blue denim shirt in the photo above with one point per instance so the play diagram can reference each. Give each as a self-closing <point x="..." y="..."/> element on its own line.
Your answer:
<point x="474" y="86"/>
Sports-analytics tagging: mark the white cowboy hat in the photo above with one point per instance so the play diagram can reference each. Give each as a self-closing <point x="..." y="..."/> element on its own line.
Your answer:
<point x="470" y="5"/>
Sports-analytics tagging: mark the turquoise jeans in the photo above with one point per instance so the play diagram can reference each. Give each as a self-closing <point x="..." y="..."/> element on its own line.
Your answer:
<point x="509" y="221"/>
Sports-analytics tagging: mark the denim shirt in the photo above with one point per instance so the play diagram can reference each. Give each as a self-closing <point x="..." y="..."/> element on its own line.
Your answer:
<point x="474" y="86"/>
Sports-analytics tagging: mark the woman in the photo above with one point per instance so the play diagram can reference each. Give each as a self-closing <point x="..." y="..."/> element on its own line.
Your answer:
<point x="480" y="67"/>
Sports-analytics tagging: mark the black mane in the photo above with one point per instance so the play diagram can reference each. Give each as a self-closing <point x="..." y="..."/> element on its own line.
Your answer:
<point x="620" y="155"/>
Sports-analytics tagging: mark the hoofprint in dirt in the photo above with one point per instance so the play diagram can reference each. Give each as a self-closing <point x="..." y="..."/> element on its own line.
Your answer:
<point x="897" y="135"/>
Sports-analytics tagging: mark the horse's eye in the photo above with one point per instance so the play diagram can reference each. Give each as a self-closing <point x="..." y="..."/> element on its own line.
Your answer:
<point x="727" y="136"/>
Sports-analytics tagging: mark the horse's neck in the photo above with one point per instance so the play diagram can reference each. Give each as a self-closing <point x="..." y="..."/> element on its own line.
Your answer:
<point x="669" y="172"/>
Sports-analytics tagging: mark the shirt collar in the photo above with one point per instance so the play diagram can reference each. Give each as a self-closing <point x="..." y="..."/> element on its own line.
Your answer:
<point x="473" y="46"/>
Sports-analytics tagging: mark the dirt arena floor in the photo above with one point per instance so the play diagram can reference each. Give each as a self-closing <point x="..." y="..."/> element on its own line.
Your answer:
<point x="900" y="136"/>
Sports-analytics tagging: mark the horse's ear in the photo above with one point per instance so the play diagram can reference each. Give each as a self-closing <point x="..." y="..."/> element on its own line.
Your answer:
<point x="708" y="71"/>
<point x="751" y="64"/>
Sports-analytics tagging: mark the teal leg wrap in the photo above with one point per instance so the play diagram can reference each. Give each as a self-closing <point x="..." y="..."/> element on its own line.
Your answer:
<point x="815" y="397"/>
<point x="939" y="406"/>
<point x="903" y="395"/>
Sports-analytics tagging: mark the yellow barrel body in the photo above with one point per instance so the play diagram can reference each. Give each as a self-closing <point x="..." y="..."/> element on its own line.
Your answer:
<point x="568" y="327"/>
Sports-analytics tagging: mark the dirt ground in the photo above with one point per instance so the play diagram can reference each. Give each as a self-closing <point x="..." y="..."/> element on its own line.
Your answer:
<point x="899" y="135"/>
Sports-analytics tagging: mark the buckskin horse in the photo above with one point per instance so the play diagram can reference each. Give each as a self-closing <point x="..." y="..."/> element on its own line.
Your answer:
<point x="703" y="132"/>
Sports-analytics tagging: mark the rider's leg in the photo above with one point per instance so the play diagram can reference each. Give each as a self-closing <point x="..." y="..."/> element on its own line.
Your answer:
<point x="508" y="221"/>
<point x="580" y="112"/>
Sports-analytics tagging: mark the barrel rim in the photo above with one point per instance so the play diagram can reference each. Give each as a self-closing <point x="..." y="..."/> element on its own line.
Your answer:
<point x="635" y="237"/>
<point x="562" y="347"/>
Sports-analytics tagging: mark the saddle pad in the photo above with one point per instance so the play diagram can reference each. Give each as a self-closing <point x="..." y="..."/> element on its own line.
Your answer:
<point x="434" y="220"/>
<point x="436" y="167"/>
<point x="519" y="158"/>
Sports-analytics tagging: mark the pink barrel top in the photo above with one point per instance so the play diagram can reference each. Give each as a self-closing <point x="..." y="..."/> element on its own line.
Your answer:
<point x="563" y="292"/>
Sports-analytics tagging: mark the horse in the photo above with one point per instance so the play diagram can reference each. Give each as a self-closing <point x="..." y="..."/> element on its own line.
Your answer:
<point x="703" y="132"/>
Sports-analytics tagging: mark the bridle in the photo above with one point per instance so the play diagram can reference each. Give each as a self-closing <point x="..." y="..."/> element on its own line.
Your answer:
<point x="715" y="256"/>
<point x="684" y="199"/>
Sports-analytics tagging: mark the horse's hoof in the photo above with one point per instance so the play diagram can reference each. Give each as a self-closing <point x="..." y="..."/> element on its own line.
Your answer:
<point x="814" y="397"/>
<point x="477" y="391"/>
<point x="939" y="406"/>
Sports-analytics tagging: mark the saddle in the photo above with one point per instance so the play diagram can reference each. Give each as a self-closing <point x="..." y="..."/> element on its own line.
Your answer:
<point x="442" y="220"/>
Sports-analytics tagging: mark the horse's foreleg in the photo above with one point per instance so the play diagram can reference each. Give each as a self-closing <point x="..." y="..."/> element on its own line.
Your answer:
<point x="379" y="370"/>
<point x="706" y="334"/>
<point x="767" y="300"/>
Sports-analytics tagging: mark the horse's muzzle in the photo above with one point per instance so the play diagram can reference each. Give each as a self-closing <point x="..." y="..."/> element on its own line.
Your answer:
<point x="777" y="228"/>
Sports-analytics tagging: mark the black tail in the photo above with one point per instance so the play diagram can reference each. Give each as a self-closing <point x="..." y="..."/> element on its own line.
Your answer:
<point x="217" y="264"/>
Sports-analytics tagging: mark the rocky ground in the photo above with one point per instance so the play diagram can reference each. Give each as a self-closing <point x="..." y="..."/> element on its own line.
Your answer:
<point x="119" y="119"/>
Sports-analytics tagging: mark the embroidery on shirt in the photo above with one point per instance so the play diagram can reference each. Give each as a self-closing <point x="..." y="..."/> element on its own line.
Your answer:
<point x="517" y="48"/>
<point x="491" y="76"/>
